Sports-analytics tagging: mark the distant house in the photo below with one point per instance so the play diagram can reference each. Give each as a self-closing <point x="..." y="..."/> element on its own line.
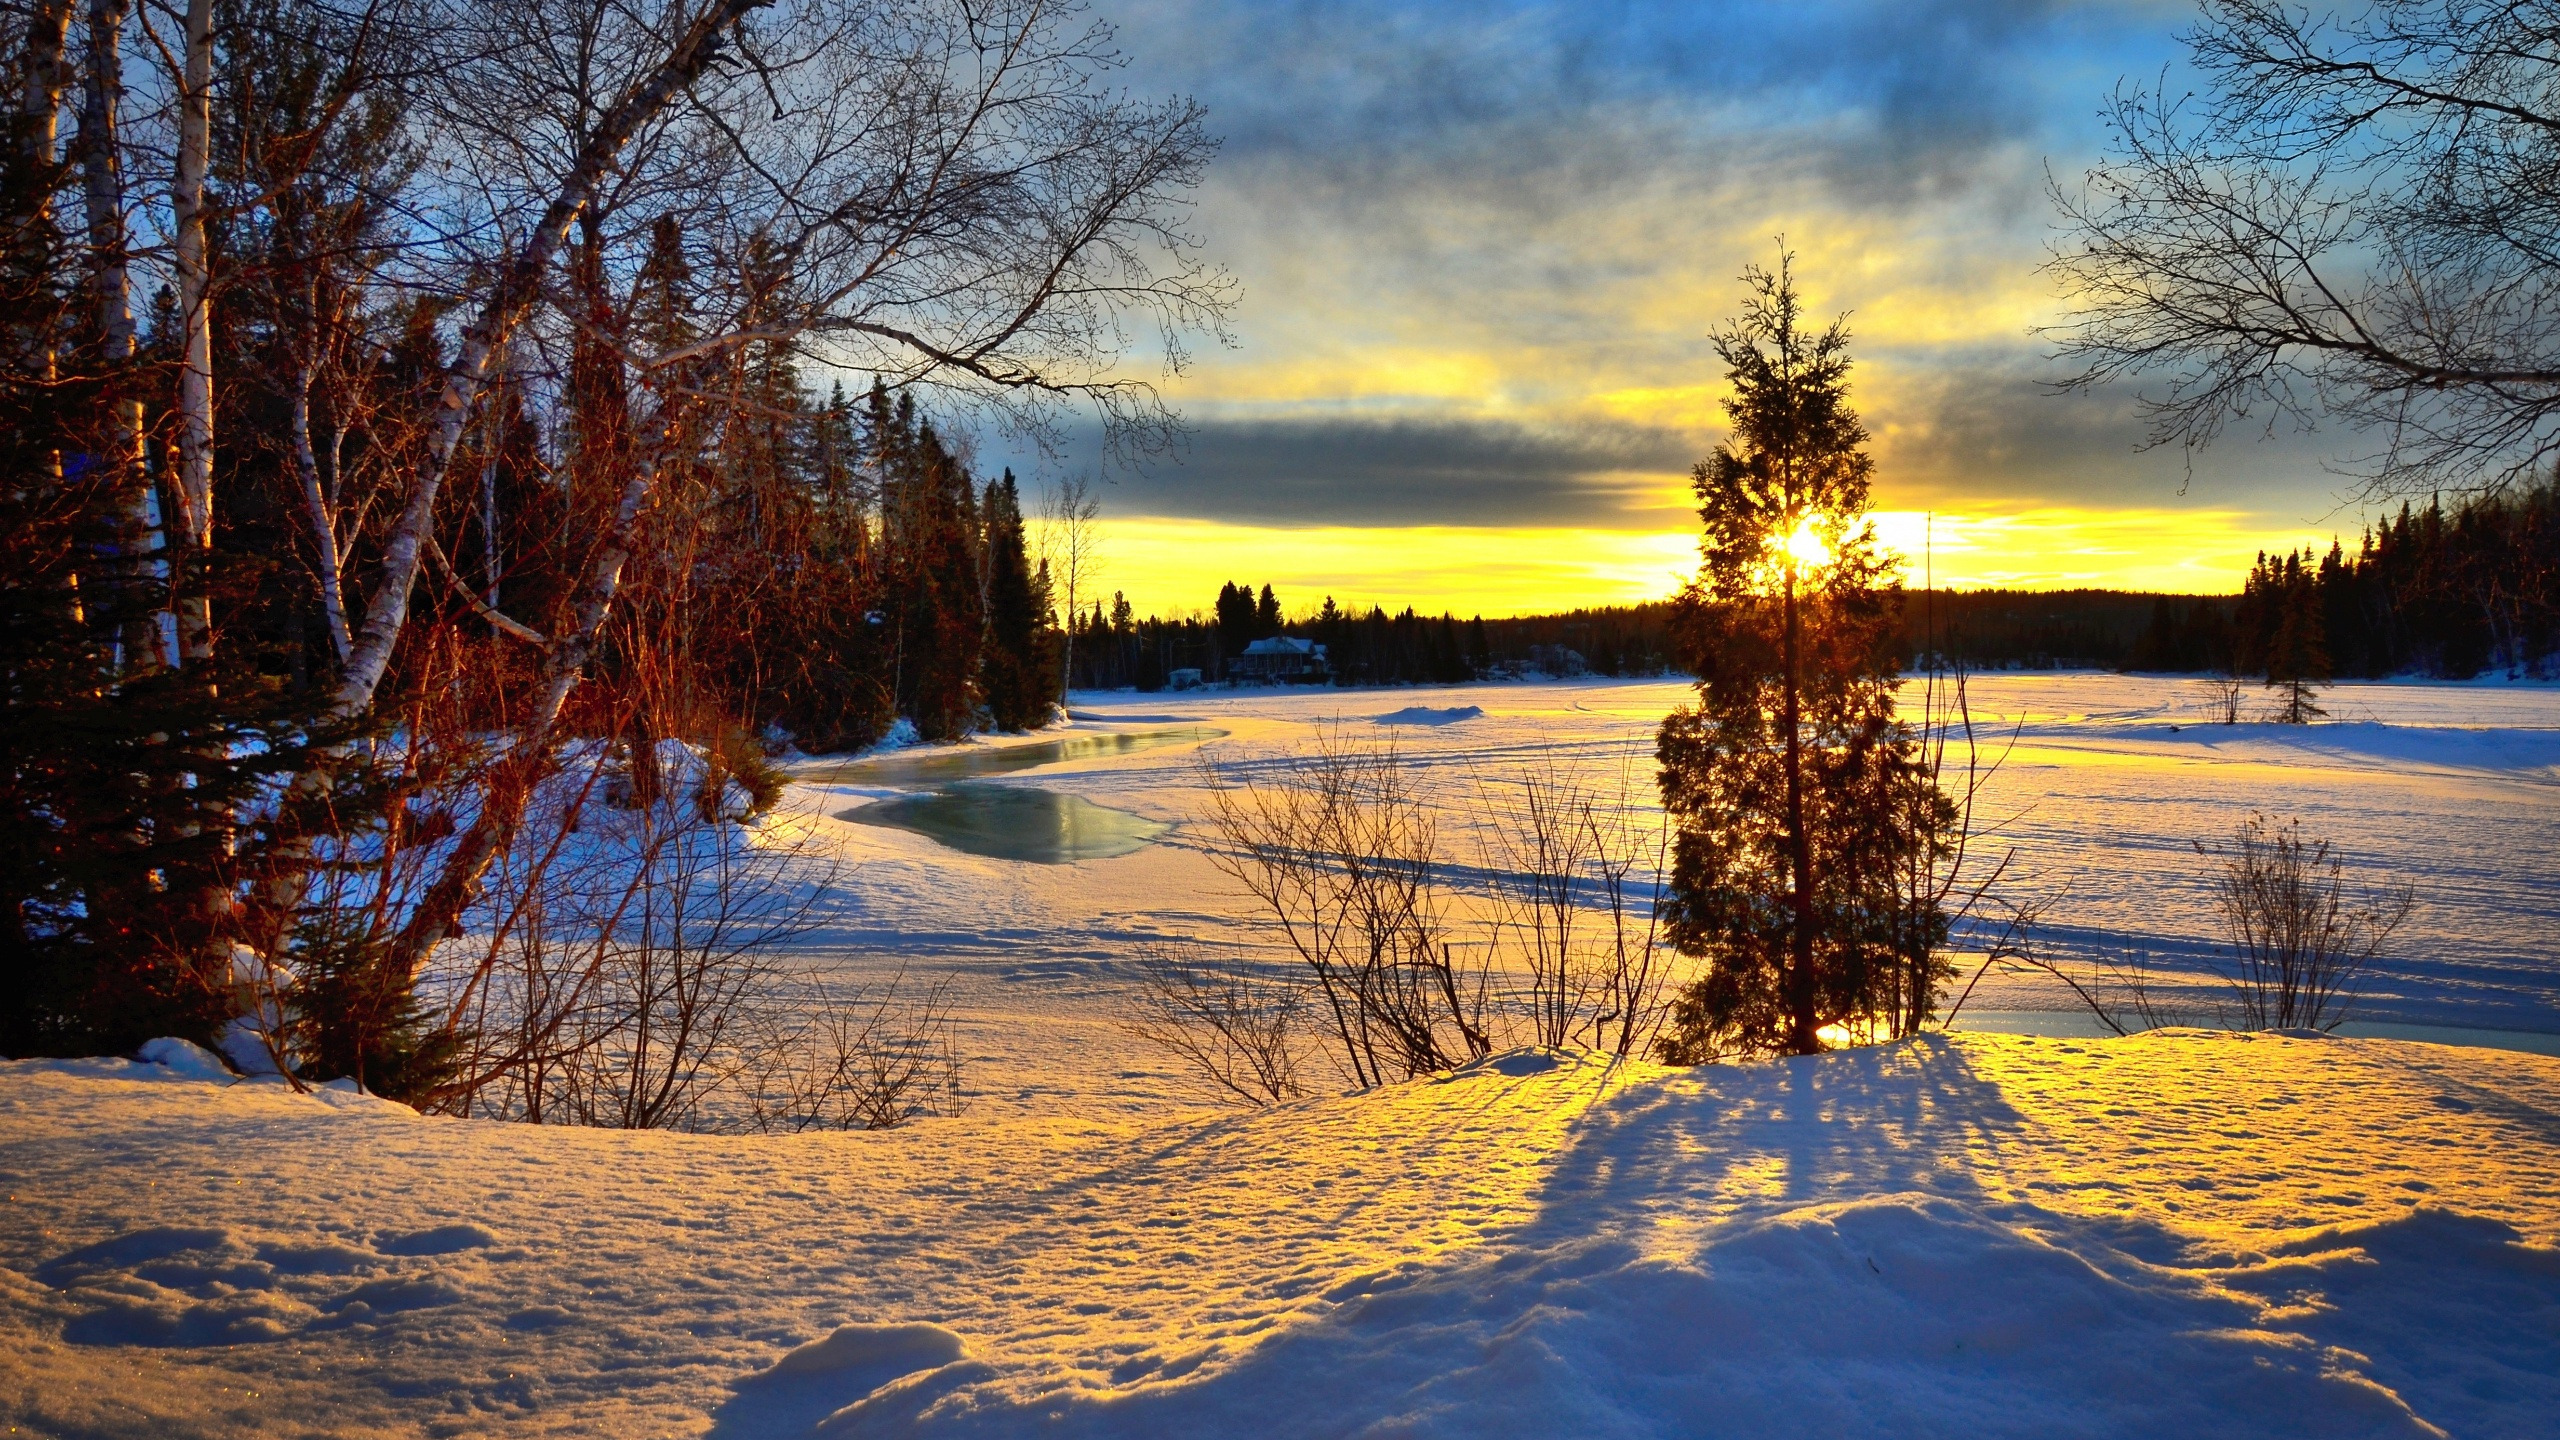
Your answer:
<point x="1185" y="678"/>
<point x="1279" y="659"/>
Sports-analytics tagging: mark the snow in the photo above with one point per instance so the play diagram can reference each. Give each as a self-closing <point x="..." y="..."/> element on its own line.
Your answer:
<point x="2111" y="782"/>
<point x="2184" y="1232"/>
<point x="183" y="1059"/>
<point x="1426" y="715"/>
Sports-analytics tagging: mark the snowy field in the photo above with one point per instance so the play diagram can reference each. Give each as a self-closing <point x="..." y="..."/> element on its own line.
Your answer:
<point x="2178" y="1234"/>
<point x="2110" y="782"/>
<point x="1979" y="1235"/>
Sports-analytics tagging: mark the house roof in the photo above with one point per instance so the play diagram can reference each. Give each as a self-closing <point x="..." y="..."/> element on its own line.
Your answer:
<point x="1282" y="645"/>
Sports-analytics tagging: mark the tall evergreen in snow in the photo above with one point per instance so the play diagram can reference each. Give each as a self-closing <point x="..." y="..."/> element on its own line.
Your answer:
<point x="1020" y="669"/>
<point x="119" y="854"/>
<point x="932" y="597"/>
<point x="1796" y="794"/>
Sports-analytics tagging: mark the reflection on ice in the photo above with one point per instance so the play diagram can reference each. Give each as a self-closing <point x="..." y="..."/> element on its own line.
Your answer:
<point x="1011" y="822"/>
<point x="917" y="771"/>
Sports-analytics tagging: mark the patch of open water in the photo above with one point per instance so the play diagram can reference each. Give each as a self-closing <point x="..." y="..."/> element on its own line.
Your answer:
<point x="1014" y="822"/>
<point x="916" y="772"/>
<point x="1010" y="822"/>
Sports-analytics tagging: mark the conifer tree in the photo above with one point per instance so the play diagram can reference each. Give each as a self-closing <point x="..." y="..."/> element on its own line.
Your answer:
<point x="2298" y="660"/>
<point x="1795" y="792"/>
<point x="935" y="599"/>
<point x="1020" y="672"/>
<point x="120" y="857"/>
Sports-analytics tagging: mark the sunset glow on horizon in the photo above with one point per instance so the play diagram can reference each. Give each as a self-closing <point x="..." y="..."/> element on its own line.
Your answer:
<point x="1171" y="566"/>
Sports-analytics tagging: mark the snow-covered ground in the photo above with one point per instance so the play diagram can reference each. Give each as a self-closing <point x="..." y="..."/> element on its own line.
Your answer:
<point x="2178" y="1234"/>
<point x="1975" y="1234"/>
<point x="2454" y="789"/>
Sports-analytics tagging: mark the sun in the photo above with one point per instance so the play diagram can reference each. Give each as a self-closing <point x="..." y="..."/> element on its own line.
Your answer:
<point x="1806" y="546"/>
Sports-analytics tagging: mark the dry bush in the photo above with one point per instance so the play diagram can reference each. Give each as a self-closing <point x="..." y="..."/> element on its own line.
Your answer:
<point x="831" y="1059"/>
<point x="2299" y="949"/>
<point x="2225" y="692"/>
<point x="625" y="962"/>
<point x="1343" y="860"/>
<point x="1235" y="1031"/>
<point x="1568" y="901"/>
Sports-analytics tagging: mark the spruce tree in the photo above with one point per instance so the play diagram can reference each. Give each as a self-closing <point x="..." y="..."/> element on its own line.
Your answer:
<point x="2298" y="657"/>
<point x="1020" y="673"/>
<point x="1796" y="794"/>
<point x="126" y="787"/>
<point x="935" y="601"/>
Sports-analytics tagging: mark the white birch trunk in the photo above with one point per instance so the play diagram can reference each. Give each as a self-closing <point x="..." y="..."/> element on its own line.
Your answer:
<point x="323" y="517"/>
<point x="40" y="100"/>
<point x="195" y="315"/>
<point x="147" y="644"/>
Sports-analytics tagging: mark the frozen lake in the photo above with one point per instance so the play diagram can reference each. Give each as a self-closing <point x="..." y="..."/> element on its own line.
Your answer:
<point x="2454" y="789"/>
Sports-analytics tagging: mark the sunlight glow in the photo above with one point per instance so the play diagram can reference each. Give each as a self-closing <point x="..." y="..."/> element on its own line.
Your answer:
<point x="1170" y="566"/>
<point x="1806" y="546"/>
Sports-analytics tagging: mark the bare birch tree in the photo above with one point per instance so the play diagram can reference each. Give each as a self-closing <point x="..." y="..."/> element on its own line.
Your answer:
<point x="2351" y="220"/>
<point x="1071" y="545"/>
<point x="952" y="200"/>
<point x="150" y="641"/>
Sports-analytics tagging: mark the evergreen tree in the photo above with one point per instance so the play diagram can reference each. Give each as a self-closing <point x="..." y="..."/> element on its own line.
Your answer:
<point x="1235" y="618"/>
<point x="1796" y="794"/>
<point x="934" y="600"/>
<point x="1020" y="679"/>
<point x="125" y="787"/>
<point x="2298" y="657"/>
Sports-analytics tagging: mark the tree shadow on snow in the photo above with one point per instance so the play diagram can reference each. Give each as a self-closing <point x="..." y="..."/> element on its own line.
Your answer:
<point x="1864" y="1285"/>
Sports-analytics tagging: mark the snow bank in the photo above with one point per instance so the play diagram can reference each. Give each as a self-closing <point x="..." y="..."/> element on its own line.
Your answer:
<point x="1426" y="715"/>
<point x="2190" y="1234"/>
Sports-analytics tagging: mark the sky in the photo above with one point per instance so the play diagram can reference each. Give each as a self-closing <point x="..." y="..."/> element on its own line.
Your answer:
<point x="1481" y="248"/>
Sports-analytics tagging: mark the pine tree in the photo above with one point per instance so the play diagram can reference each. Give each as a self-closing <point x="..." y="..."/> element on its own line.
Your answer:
<point x="2298" y="656"/>
<point x="1020" y="680"/>
<point x="124" y="786"/>
<point x="934" y="598"/>
<point x="1796" y="794"/>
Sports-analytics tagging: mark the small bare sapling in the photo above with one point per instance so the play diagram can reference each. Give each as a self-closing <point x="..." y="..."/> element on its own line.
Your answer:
<point x="2299" y="949"/>
<point x="1234" y="1030"/>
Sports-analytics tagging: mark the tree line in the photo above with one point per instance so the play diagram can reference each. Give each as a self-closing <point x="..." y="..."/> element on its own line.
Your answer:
<point x="405" y="416"/>
<point x="1115" y="648"/>
<point x="2450" y="593"/>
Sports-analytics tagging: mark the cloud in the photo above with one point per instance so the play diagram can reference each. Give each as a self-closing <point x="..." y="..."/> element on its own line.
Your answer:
<point x="1351" y="470"/>
<point x="1897" y="97"/>
<point x="1484" y="245"/>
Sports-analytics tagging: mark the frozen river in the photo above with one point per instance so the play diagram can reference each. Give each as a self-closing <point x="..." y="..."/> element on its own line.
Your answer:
<point x="1081" y="849"/>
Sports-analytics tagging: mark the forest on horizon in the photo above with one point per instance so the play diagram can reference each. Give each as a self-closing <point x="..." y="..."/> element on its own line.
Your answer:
<point x="2444" y="593"/>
